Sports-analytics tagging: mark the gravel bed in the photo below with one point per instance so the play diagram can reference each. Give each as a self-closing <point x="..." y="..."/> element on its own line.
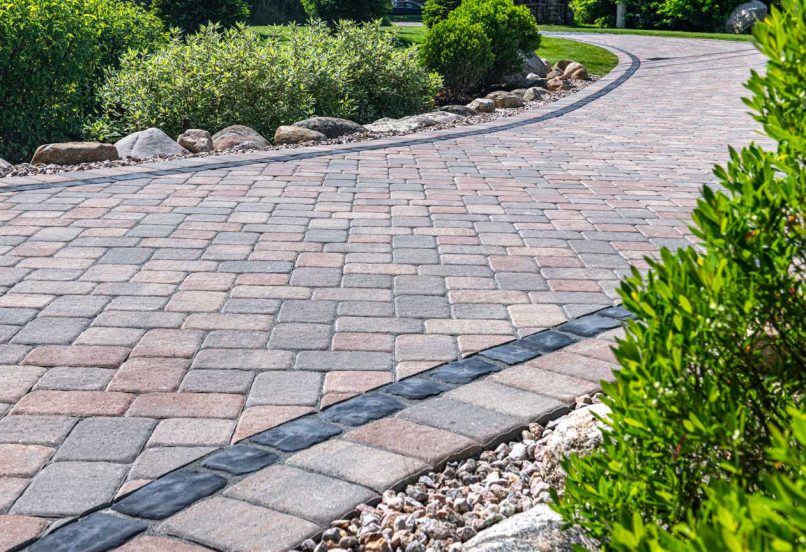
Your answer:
<point x="444" y="509"/>
<point x="27" y="169"/>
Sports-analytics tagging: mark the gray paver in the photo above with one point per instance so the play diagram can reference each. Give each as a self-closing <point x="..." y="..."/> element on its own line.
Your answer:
<point x="69" y="488"/>
<point x="285" y="388"/>
<point x="305" y="494"/>
<point x="479" y="424"/>
<point x="35" y="430"/>
<point x="106" y="439"/>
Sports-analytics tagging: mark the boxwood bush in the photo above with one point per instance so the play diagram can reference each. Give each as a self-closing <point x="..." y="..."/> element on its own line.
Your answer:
<point x="214" y="79"/>
<point x="707" y="433"/>
<point x="460" y="51"/>
<point x="511" y="30"/>
<point x="52" y="54"/>
<point x="435" y="11"/>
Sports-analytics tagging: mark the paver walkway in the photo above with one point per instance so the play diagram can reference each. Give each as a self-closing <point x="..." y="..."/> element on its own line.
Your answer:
<point x="152" y="314"/>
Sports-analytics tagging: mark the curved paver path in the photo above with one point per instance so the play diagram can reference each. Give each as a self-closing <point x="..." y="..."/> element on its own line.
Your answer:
<point x="151" y="314"/>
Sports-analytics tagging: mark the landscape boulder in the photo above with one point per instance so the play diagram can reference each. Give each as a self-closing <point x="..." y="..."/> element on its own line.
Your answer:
<point x="575" y="71"/>
<point x="331" y="127"/>
<point x="291" y="134"/>
<point x="148" y="143"/>
<point x="196" y="140"/>
<point x="533" y="94"/>
<point x="73" y="153"/>
<point x="5" y="164"/>
<point x="558" y="84"/>
<point x="742" y="19"/>
<point x="504" y="100"/>
<point x="414" y="122"/>
<point x="579" y="432"/>
<point x="482" y="105"/>
<point x="461" y="110"/>
<point x="532" y="66"/>
<point x="239" y="136"/>
<point x="536" y="530"/>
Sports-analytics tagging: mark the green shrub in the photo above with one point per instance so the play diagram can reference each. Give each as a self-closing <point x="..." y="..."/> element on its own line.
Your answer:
<point x="333" y="11"/>
<point x="460" y="51"/>
<point x="212" y="79"/>
<point x="276" y="12"/>
<point x="511" y="30"/>
<point x="435" y="11"/>
<point x="52" y="54"/>
<point x="713" y="370"/>
<point x="190" y="15"/>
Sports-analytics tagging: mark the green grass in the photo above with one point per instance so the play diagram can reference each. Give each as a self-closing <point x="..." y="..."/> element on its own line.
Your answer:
<point x="598" y="60"/>
<point x="647" y="32"/>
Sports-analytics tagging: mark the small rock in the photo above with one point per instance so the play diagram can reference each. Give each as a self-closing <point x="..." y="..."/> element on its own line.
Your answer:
<point x="290" y="134"/>
<point x="196" y="140"/>
<point x="73" y="153"/>
<point x="505" y="100"/>
<point x="239" y="136"/>
<point x="148" y="143"/>
<point x="332" y="127"/>
<point x="461" y="110"/>
<point x="482" y="105"/>
<point x="518" y="452"/>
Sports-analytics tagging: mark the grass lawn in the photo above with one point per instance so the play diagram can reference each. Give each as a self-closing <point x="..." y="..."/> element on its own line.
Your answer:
<point x="647" y="32"/>
<point x="598" y="60"/>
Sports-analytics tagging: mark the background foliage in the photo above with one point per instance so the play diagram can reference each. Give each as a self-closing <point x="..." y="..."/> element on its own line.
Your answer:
<point x="686" y="15"/>
<point x="706" y="448"/>
<point x="333" y="11"/>
<point x="215" y="79"/>
<point x="190" y="15"/>
<point x="52" y="56"/>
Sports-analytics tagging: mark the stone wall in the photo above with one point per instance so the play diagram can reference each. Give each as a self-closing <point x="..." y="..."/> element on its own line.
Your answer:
<point x="549" y="12"/>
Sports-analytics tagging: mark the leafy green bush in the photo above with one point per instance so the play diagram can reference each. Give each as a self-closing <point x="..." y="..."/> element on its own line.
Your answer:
<point x="214" y="79"/>
<point x="511" y="30"/>
<point x="713" y="370"/>
<point x="190" y="15"/>
<point x="276" y="12"/>
<point x="459" y="50"/>
<point x="435" y="11"/>
<point x="52" y="54"/>
<point x="333" y="11"/>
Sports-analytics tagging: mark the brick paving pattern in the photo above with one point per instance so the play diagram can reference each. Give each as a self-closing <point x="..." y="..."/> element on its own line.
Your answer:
<point x="147" y="321"/>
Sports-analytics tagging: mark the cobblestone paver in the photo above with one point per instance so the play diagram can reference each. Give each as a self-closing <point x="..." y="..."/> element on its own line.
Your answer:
<point x="150" y="319"/>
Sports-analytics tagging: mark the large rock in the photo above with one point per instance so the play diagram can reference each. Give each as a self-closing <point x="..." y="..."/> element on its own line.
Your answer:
<point x="5" y="164"/>
<point x="535" y="530"/>
<point x="482" y="105"/>
<point x="148" y="143"/>
<point x="745" y="15"/>
<point x="532" y="65"/>
<point x="577" y="433"/>
<point x="291" y="134"/>
<point x="461" y="110"/>
<point x="239" y="136"/>
<point x="533" y="94"/>
<point x="73" y="153"/>
<point x="504" y="100"/>
<point x="196" y="140"/>
<point x="331" y="127"/>
<point x="575" y="71"/>
<point x="414" y="122"/>
<point x="558" y="84"/>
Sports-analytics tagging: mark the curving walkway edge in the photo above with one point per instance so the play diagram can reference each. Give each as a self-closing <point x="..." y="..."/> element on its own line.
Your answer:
<point x="152" y="316"/>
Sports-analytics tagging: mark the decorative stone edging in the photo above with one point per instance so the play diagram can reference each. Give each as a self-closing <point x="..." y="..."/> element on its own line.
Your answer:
<point x="140" y="510"/>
